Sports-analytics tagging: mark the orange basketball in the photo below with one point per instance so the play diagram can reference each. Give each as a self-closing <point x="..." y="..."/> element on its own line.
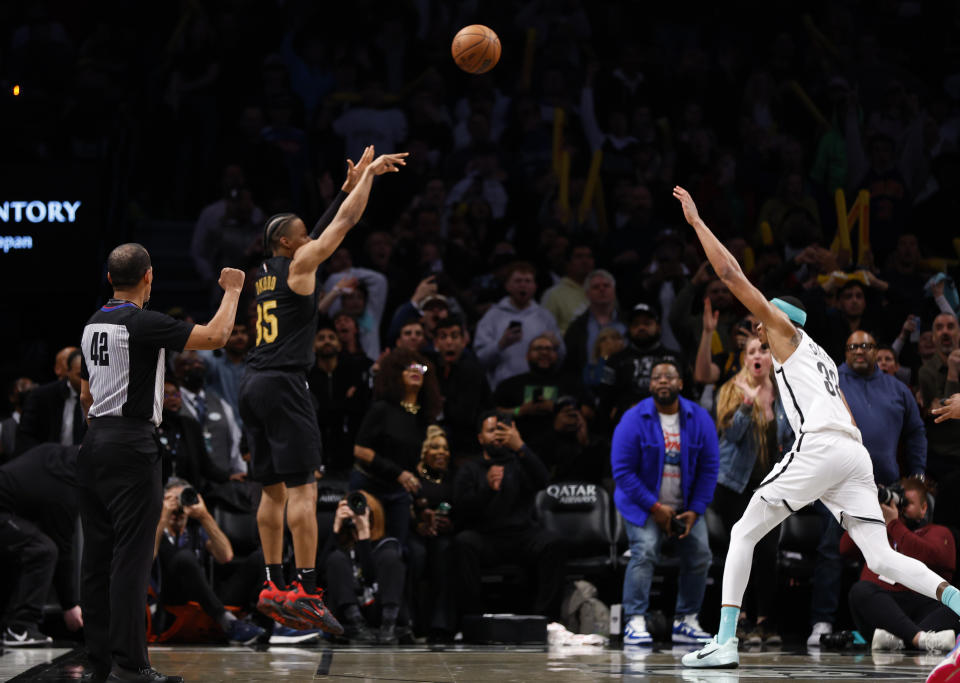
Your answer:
<point x="475" y="49"/>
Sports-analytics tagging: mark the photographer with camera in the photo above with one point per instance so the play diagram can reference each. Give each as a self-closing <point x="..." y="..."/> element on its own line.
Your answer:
<point x="186" y="535"/>
<point x="493" y="503"/>
<point x="365" y="573"/>
<point x="665" y="458"/>
<point x="896" y="616"/>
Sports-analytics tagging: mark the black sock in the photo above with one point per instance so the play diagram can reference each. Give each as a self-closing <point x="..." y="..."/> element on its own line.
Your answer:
<point x="308" y="579"/>
<point x="275" y="574"/>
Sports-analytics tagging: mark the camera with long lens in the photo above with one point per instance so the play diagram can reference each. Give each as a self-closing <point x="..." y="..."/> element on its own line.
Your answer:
<point x="891" y="495"/>
<point x="189" y="497"/>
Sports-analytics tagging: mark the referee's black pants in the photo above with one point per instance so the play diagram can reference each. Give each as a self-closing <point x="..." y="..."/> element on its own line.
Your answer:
<point x="120" y="501"/>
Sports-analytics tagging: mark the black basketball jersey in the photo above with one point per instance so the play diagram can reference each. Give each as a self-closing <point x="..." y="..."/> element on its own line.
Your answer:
<point x="123" y="359"/>
<point x="286" y="321"/>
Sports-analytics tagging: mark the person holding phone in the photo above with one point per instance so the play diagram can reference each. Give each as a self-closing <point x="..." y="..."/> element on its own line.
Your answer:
<point x="493" y="503"/>
<point x="665" y="458"/>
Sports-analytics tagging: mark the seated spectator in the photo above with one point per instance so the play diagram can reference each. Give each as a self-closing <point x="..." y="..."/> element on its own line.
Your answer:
<point x="684" y="318"/>
<point x="39" y="504"/>
<point x="17" y="396"/>
<point x="888" y="364"/>
<point x="597" y="373"/>
<point x="664" y="460"/>
<point x="225" y="369"/>
<point x="183" y="451"/>
<point x="427" y="305"/>
<point x="492" y="505"/>
<point x="713" y="365"/>
<point x="632" y="366"/>
<point x="365" y="575"/>
<point x="186" y="535"/>
<point x="221" y="433"/>
<point x="405" y="400"/>
<point x="888" y="614"/>
<point x="530" y="396"/>
<point x="52" y="412"/>
<point x="60" y="365"/>
<point x="463" y="386"/>
<point x="754" y="435"/>
<point x="505" y="331"/>
<point x="566" y="299"/>
<point x="340" y="383"/>
<point x="431" y="544"/>
<point x="349" y="335"/>
<point x="600" y="314"/>
<point x="569" y="451"/>
<point x="411" y="336"/>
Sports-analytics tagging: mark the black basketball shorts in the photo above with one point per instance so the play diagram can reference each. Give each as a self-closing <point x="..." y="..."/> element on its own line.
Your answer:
<point x="281" y="426"/>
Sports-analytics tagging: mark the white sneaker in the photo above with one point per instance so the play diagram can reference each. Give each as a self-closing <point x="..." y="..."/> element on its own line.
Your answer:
<point x="819" y="629"/>
<point x="636" y="632"/>
<point x="714" y="656"/>
<point x="884" y="640"/>
<point x="687" y="629"/>
<point x="937" y="640"/>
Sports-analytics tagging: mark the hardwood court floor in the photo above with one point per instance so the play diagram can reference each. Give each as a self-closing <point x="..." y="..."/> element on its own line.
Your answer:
<point x="476" y="664"/>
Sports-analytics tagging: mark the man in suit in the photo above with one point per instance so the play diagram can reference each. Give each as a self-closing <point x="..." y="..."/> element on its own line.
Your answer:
<point x="52" y="412"/>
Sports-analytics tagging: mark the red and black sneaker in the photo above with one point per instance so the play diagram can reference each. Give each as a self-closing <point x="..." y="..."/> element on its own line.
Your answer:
<point x="271" y="603"/>
<point x="309" y="606"/>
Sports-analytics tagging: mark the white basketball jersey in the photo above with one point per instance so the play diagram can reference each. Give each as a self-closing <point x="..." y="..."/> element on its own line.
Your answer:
<point x="810" y="391"/>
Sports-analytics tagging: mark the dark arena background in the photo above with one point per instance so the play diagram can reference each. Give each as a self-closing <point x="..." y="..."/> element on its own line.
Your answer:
<point x="821" y="143"/>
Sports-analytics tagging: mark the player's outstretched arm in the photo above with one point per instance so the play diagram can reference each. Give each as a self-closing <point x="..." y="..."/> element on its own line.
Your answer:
<point x="214" y="334"/>
<point x="310" y="256"/>
<point x="728" y="270"/>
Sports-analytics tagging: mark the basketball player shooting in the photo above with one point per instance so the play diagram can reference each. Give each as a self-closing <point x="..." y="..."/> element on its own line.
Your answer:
<point x="275" y="402"/>
<point x="828" y="461"/>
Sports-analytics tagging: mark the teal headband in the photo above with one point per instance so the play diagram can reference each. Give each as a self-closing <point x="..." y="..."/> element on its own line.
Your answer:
<point x="795" y="314"/>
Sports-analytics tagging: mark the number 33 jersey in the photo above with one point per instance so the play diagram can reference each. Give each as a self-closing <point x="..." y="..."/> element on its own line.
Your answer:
<point x="286" y="321"/>
<point x="123" y="351"/>
<point x="810" y="391"/>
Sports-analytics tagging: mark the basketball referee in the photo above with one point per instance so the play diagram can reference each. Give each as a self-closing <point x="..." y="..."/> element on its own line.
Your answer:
<point x="119" y="462"/>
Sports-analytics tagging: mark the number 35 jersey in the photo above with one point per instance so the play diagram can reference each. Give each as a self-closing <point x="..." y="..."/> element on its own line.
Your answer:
<point x="810" y="391"/>
<point x="286" y="321"/>
<point x="123" y="351"/>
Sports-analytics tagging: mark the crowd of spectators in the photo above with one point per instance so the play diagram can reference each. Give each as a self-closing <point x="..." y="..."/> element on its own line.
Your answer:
<point x="529" y="259"/>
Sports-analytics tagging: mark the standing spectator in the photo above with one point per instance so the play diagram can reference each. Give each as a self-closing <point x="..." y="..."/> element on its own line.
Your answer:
<point x="387" y="450"/>
<point x="581" y="333"/>
<point x="632" y="366"/>
<point x="493" y="504"/>
<point x="885" y="411"/>
<point x="221" y="433"/>
<point x="52" y="412"/>
<point x="664" y="460"/>
<point x="566" y="299"/>
<point x="348" y="333"/>
<point x="371" y="123"/>
<point x="939" y="378"/>
<point x="225" y="370"/>
<point x="227" y="229"/>
<point x="38" y="518"/>
<point x="19" y="389"/>
<point x="754" y="434"/>
<point x="359" y="292"/>
<point x="411" y="336"/>
<point x="509" y="326"/>
<point x="683" y="318"/>
<point x="463" y="386"/>
<point x="60" y="366"/>
<point x="898" y="616"/>
<point x="340" y="383"/>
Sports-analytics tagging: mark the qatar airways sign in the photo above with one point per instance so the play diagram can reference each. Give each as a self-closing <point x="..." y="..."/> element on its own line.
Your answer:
<point x="39" y="212"/>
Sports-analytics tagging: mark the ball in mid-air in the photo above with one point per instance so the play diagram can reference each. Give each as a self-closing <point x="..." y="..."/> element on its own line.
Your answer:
<point x="475" y="49"/>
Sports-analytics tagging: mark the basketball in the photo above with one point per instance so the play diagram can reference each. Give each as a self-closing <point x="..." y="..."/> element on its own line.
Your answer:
<point x="475" y="49"/>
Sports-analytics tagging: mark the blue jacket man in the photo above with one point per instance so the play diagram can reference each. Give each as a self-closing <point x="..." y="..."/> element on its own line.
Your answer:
<point x="884" y="410"/>
<point x="664" y="458"/>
